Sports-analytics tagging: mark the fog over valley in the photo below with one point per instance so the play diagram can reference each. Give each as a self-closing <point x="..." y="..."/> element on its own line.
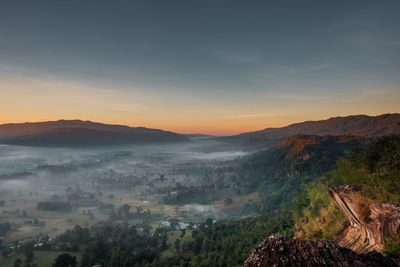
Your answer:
<point x="171" y="194"/>
<point x="102" y="179"/>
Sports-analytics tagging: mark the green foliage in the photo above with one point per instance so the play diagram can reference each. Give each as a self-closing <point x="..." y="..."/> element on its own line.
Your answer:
<point x="65" y="260"/>
<point x="4" y="228"/>
<point x="377" y="166"/>
<point x="278" y="174"/>
<point x="223" y="243"/>
<point x="17" y="262"/>
<point x="43" y="258"/>
<point x="229" y="243"/>
<point x="187" y="195"/>
<point x="392" y="247"/>
<point x="116" y="245"/>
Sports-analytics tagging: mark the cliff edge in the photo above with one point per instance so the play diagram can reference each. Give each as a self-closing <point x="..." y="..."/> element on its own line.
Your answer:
<point x="370" y="223"/>
<point x="277" y="250"/>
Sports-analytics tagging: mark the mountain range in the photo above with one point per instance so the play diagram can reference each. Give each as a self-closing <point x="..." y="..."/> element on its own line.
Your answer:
<point x="66" y="133"/>
<point x="357" y="125"/>
<point x="87" y="133"/>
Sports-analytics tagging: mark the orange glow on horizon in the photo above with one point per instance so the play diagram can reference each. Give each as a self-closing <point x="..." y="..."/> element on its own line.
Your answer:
<point x="217" y="130"/>
<point x="27" y="99"/>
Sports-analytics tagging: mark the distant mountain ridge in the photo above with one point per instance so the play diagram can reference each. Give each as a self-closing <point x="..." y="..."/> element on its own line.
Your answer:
<point x="81" y="133"/>
<point x="357" y="125"/>
<point x="298" y="143"/>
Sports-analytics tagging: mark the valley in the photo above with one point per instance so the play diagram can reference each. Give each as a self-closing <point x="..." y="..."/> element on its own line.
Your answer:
<point x="157" y="183"/>
<point x="201" y="202"/>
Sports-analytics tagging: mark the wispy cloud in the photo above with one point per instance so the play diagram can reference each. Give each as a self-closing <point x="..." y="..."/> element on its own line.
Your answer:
<point x="376" y="92"/>
<point x="235" y="57"/>
<point x="249" y="115"/>
<point x="57" y="90"/>
<point x="304" y="98"/>
<point x="362" y="96"/>
<point x="282" y="72"/>
<point x="395" y="42"/>
<point x="392" y="42"/>
<point x="316" y="67"/>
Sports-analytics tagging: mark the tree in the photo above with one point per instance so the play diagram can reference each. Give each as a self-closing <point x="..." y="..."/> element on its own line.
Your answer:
<point x="29" y="255"/>
<point x="17" y="262"/>
<point x="183" y="232"/>
<point x="117" y="257"/>
<point x="139" y="209"/>
<point x="65" y="260"/>
<point x="176" y="244"/>
<point x="228" y="201"/>
<point x="124" y="210"/>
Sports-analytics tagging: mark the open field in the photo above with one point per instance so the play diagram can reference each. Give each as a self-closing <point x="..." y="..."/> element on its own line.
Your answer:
<point x="42" y="258"/>
<point x="237" y="202"/>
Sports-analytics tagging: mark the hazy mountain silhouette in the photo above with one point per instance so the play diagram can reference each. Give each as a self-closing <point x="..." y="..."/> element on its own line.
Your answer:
<point x="358" y="125"/>
<point x="81" y="133"/>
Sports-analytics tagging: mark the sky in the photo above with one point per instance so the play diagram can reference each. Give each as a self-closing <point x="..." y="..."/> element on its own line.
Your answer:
<point x="216" y="67"/>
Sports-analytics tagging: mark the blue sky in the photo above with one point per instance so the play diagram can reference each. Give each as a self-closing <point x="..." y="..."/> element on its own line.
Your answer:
<point x="198" y="66"/>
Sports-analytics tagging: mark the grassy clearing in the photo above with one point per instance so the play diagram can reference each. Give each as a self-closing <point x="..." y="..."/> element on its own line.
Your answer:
<point x="237" y="204"/>
<point x="42" y="258"/>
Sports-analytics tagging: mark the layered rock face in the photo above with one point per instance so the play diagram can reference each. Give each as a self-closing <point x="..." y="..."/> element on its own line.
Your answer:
<point x="277" y="251"/>
<point x="370" y="223"/>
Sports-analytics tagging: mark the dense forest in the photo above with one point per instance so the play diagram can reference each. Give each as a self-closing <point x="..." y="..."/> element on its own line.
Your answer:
<point x="278" y="174"/>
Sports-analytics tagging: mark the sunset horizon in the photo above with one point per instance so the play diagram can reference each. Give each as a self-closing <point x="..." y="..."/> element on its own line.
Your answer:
<point x="262" y="65"/>
<point x="220" y="133"/>
<point x="201" y="131"/>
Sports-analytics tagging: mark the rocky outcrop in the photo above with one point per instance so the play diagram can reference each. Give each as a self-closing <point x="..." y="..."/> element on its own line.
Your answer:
<point x="277" y="251"/>
<point x="370" y="223"/>
<point x="357" y="245"/>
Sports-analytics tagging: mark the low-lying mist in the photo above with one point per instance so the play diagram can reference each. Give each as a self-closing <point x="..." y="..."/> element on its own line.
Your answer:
<point x="62" y="187"/>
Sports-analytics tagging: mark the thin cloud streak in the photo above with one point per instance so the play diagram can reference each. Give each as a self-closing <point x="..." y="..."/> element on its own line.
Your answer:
<point x="304" y="98"/>
<point x="237" y="58"/>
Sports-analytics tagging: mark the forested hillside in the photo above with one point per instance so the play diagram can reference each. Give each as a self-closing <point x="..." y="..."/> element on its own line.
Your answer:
<point x="358" y="125"/>
<point x="377" y="166"/>
<point x="278" y="174"/>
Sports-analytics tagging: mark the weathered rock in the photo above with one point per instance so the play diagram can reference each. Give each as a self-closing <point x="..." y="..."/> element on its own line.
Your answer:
<point x="370" y="223"/>
<point x="277" y="251"/>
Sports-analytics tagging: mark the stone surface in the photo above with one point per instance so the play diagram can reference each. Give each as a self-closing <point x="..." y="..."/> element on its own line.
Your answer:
<point x="277" y="251"/>
<point x="370" y="223"/>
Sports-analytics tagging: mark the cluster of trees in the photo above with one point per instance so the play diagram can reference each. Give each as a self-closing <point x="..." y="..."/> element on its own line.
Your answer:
<point x="122" y="182"/>
<point x="35" y="222"/>
<point x="116" y="245"/>
<point x="224" y="243"/>
<point x="127" y="212"/>
<point x="65" y="260"/>
<point x="188" y="194"/>
<point x="377" y="166"/>
<point x="54" y="206"/>
<point x="28" y="251"/>
<point x="230" y="242"/>
<point x="4" y="228"/>
<point x="276" y="174"/>
<point x="82" y="199"/>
